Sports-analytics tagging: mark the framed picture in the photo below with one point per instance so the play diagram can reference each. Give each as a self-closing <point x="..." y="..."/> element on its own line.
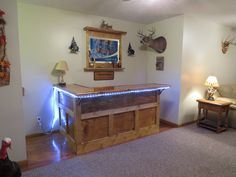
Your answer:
<point x="103" y="50"/>
<point x="160" y="63"/>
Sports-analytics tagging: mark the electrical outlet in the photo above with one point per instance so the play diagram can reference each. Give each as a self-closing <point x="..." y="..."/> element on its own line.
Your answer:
<point x="39" y="121"/>
<point x="38" y="117"/>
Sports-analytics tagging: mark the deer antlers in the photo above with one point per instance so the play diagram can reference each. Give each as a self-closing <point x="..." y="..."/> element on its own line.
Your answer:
<point x="158" y="44"/>
<point x="146" y="39"/>
<point x="151" y="34"/>
<point x="225" y="44"/>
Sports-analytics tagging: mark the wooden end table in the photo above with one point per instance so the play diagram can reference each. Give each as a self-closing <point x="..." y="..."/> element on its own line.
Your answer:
<point x="218" y="107"/>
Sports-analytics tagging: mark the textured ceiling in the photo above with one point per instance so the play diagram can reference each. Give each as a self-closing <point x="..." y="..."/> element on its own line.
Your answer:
<point x="148" y="11"/>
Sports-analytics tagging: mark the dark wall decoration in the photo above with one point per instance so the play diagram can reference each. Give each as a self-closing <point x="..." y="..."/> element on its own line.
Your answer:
<point x="74" y="48"/>
<point x="160" y="63"/>
<point x="225" y="44"/>
<point x="4" y="63"/>
<point x="130" y="50"/>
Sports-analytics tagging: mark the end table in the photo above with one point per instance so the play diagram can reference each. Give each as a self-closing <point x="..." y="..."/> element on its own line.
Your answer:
<point x="218" y="107"/>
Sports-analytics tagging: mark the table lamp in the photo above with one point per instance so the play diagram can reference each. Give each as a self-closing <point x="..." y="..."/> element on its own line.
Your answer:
<point x="61" y="67"/>
<point x="212" y="84"/>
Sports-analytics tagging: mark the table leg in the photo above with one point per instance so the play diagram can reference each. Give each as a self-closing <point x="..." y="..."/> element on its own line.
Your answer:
<point x="218" y="128"/>
<point x="226" y="119"/>
<point x="205" y="112"/>
<point x="199" y="116"/>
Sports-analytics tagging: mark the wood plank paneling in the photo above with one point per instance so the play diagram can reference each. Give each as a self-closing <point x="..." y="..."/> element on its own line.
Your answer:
<point x="103" y="75"/>
<point x="117" y="111"/>
<point x="98" y="122"/>
<point x="95" y="128"/>
<point x="118" y="101"/>
<point x="67" y="123"/>
<point x="123" y="122"/>
<point x="147" y="117"/>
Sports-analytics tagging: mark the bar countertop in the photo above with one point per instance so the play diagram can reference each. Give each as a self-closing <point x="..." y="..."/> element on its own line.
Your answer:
<point x="79" y="90"/>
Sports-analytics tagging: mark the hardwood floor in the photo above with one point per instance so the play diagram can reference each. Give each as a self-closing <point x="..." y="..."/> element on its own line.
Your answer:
<point x="46" y="149"/>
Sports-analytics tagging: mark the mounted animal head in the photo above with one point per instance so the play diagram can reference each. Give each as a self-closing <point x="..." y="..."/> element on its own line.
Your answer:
<point x="158" y="44"/>
<point x="225" y="44"/>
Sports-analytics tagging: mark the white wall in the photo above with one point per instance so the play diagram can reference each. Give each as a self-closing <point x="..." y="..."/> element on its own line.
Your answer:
<point x="172" y="30"/>
<point x="45" y="35"/>
<point x="11" y="118"/>
<point x="193" y="52"/>
<point x="202" y="57"/>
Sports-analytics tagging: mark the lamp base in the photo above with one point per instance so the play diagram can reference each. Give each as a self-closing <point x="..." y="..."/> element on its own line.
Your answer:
<point x="211" y="98"/>
<point x="62" y="84"/>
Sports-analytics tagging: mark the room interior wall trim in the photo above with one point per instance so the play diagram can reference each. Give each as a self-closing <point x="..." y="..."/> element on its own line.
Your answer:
<point x="169" y="123"/>
<point x="40" y="134"/>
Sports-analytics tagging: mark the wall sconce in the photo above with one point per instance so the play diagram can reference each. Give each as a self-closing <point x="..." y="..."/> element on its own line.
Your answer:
<point x="61" y="67"/>
<point x="212" y="84"/>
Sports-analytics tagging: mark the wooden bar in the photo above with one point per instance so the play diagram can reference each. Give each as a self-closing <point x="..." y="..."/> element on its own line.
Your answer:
<point x="95" y="118"/>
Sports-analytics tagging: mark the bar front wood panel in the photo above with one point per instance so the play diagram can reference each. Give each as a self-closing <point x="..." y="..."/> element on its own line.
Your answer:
<point x="147" y="117"/>
<point x="123" y="122"/>
<point x="95" y="123"/>
<point x="95" y="128"/>
<point x="117" y="101"/>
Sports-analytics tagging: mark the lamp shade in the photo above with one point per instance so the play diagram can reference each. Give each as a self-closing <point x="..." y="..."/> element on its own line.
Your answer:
<point x="62" y="66"/>
<point x="211" y="82"/>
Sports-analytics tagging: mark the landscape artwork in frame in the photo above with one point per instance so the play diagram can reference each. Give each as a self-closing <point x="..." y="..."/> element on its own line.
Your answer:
<point x="160" y="63"/>
<point x="103" y="50"/>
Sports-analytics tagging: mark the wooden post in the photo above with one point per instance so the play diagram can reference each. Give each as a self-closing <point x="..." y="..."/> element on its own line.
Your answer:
<point x="111" y="124"/>
<point x="136" y="126"/>
<point x="158" y="111"/>
<point x="78" y="131"/>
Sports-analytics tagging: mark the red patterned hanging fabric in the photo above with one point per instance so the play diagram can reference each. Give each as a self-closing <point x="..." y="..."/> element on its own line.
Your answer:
<point x="4" y="62"/>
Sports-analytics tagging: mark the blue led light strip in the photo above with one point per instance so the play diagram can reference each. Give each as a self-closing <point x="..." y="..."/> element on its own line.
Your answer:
<point x="111" y="93"/>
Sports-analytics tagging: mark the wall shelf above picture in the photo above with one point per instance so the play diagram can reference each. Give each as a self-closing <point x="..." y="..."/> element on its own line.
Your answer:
<point x="103" y="51"/>
<point x="108" y="31"/>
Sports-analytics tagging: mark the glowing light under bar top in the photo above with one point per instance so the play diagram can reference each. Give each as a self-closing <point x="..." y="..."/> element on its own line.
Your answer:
<point x="94" y="95"/>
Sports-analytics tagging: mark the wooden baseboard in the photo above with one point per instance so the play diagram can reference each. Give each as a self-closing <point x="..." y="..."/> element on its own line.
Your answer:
<point x="188" y="123"/>
<point x="176" y="125"/>
<point x="23" y="164"/>
<point x="39" y="134"/>
<point x="169" y="123"/>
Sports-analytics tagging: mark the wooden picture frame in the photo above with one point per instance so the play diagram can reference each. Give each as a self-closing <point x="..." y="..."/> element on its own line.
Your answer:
<point x="103" y="48"/>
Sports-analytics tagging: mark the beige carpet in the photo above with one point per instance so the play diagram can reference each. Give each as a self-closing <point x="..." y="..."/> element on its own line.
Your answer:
<point x="183" y="152"/>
